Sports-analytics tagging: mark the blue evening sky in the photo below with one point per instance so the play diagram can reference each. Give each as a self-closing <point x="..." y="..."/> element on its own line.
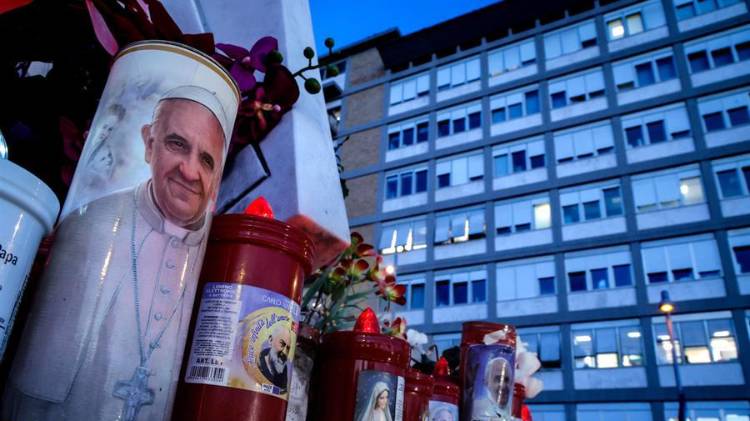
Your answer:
<point x="350" y="21"/>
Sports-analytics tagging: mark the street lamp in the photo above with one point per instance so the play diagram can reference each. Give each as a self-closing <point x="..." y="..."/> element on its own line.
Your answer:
<point x="666" y="306"/>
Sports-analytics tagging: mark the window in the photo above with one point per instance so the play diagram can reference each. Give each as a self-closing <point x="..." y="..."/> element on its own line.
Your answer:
<point x="409" y="89"/>
<point x="403" y="134"/>
<point x="582" y="143"/>
<point x="592" y="203"/>
<point x="698" y="62"/>
<point x="458" y="119"/>
<point x="598" y="269"/>
<point x="683" y="259"/>
<point x="687" y="9"/>
<point x="634" y="20"/>
<point x="733" y="176"/>
<point x="518" y="157"/>
<point x="520" y="279"/>
<point x="668" y="189"/>
<point x="456" y="74"/>
<point x="742" y="256"/>
<point x="517" y="216"/>
<point x="464" y="286"/>
<point x="510" y="58"/>
<point x="644" y="70"/>
<point x="460" y="170"/>
<point x="723" y="112"/>
<point x="607" y="347"/>
<point x="546" y="345"/>
<point x="459" y="226"/>
<point x="570" y="39"/>
<point x="415" y="285"/>
<point x="403" y="236"/>
<point x="710" y="411"/>
<point x="739" y="242"/>
<point x="405" y="183"/>
<point x="514" y="105"/>
<point x="697" y="341"/>
<point x="738" y="116"/>
<point x="656" y="126"/>
<point x="581" y="87"/>
<point x="718" y="50"/>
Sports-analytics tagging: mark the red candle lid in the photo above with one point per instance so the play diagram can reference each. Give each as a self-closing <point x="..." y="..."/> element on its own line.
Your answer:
<point x="444" y="386"/>
<point x="266" y="232"/>
<point x="366" y="346"/>
<point x="473" y="332"/>
<point x="418" y="382"/>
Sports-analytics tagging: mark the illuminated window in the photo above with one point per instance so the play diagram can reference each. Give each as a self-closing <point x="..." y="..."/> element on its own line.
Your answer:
<point x="697" y="342"/>
<point x="607" y="347"/>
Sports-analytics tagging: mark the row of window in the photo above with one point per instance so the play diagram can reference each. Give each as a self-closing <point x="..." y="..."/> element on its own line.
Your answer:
<point x="717" y="113"/>
<point x="704" y="54"/>
<point x="677" y="260"/>
<point x="698" y="339"/>
<point x="672" y="188"/>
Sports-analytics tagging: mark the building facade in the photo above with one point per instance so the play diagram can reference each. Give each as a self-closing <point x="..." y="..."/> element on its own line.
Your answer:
<point x="558" y="171"/>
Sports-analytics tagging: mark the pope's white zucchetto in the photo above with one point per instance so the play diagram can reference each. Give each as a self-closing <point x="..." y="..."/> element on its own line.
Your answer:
<point x="206" y="98"/>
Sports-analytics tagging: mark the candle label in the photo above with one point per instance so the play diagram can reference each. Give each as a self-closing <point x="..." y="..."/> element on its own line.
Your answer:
<point x="244" y="338"/>
<point x="489" y="379"/>
<point x="443" y="411"/>
<point x="380" y="396"/>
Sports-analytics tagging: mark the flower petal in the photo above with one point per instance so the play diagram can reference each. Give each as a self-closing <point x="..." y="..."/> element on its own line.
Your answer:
<point x="280" y="87"/>
<point x="233" y="51"/>
<point x="103" y="34"/>
<point x="365" y="250"/>
<point x="260" y="50"/>
<point x="362" y="265"/>
<point x="245" y="79"/>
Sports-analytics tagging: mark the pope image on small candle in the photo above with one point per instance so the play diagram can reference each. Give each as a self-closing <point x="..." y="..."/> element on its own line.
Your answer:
<point x="109" y="323"/>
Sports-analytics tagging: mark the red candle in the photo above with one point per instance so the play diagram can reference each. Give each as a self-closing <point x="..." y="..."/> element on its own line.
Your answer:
<point x="243" y="332"/>
<point x="445" y="394"/>
<point x="519" y="394"/>
<point x="487" y="369"/>
<point x="417" y="395"/>
<point x="358" y="374"/>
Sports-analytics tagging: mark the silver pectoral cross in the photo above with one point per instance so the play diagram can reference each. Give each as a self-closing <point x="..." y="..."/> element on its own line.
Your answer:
<point x="135" y="393"/>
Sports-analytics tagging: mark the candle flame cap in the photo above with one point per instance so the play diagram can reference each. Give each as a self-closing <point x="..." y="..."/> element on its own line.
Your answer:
<point x="367" y="322"/>
<point x="442" y="368"/>
<point x="260" y="207"/>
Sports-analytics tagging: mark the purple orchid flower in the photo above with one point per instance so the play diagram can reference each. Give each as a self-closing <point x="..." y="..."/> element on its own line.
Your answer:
<point x="247" y="62"/>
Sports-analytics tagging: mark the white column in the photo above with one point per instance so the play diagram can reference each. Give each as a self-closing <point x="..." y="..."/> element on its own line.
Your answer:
<point x="304" y="187"/>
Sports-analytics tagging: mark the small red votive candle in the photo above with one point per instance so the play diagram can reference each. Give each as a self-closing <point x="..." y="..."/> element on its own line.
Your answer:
<point x="417" y="395"/>
<point x="243" y="334"/>
<point x="360" y="374"/>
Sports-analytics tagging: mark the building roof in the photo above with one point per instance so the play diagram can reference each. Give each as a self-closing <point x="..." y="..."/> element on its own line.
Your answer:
<point x="489" y="22"/>
<point x="357" y="47"/>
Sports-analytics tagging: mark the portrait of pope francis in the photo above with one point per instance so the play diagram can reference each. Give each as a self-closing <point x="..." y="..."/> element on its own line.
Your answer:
<point x="108" y="325"/>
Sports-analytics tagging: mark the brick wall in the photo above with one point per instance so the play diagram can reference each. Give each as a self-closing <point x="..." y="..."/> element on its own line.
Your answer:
<point x="362" y="149"/>
<point x="362" y="195"/>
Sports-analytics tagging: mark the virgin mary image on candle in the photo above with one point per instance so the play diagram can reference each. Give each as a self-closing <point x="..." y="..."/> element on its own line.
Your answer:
<point x="377" y="406"/>
<point x="109" y="322"/>
<point x="376" y="396"/>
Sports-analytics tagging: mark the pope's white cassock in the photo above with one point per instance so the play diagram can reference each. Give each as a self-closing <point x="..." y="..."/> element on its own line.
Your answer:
<point x="81" y="350"/>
